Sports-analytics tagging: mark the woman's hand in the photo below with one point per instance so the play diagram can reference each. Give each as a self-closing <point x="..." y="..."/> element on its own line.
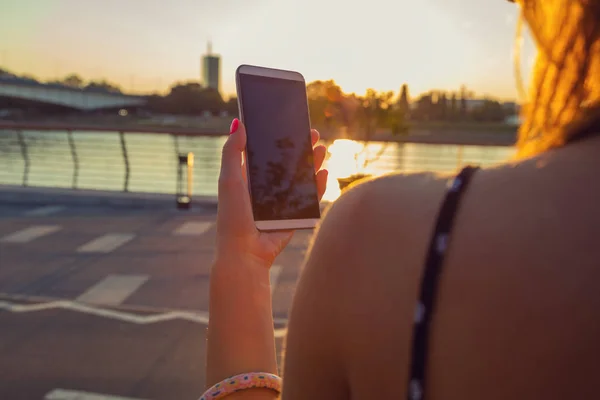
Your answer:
<point x="237" y="235"/>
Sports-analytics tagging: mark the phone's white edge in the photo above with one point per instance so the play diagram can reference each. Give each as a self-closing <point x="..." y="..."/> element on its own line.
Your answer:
<point x="269" y="72"/>
<point x="287" y="224"/>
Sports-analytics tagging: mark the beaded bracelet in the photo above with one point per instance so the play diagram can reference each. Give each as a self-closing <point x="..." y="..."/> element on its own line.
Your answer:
<point x="241" y="382"/>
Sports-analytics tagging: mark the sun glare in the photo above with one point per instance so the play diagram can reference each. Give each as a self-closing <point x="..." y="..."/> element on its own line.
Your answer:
<point x="344" y="160"/>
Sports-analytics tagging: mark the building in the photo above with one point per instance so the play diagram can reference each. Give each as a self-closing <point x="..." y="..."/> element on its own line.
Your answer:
<point x="211" y="70"/>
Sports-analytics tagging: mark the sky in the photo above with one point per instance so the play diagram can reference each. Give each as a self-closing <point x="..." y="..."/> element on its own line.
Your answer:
<point x="147" y="45"/>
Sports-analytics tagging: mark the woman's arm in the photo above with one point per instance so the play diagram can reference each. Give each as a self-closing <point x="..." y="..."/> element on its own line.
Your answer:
<point x="240" y="334"/>
<point x="240" y="331"/>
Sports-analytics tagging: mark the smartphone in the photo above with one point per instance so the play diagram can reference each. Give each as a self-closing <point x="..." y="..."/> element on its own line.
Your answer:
<point x="279" y="157"/>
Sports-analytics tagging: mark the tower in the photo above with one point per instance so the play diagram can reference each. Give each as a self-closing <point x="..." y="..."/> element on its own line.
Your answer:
<point x="211" y="69"/>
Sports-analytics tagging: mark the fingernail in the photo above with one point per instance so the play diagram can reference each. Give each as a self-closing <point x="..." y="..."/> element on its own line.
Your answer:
<point x="234" y="126"/>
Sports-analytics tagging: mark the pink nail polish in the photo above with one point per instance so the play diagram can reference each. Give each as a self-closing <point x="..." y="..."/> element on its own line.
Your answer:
<point x="234" y="126"/>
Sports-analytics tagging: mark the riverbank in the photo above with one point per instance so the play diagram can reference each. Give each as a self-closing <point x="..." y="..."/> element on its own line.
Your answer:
<point x="479" y="134"/>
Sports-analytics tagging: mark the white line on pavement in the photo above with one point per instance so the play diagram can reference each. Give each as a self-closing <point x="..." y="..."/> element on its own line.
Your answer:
<point x="192" y="228"/>
<point x="113" y="290"/>
<point x="63" y="394"/>
<point x="274" y="276"/>
<point x="106" y="243"/>
<point x="139" y="319"/>
<point x="28" y="234"/>
<point x="44" y="211"/>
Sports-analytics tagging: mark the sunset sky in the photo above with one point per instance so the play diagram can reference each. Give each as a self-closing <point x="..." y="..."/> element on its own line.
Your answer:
<point x="146" y="45"/>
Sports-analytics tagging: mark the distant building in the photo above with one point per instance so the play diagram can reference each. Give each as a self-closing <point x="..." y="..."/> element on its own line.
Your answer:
<point x="211" y="69"/>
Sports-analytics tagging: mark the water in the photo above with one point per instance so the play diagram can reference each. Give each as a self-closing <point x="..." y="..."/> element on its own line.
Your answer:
<point x="153" y="162"/>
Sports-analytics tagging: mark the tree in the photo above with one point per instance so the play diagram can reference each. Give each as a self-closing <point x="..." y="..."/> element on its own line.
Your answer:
<point x="453" y="106"/>
<point x="103" y="85"/>
<point x="73" y="80"/>
<point x="232" y="106"/>
<point x="192" y="99"/>
<point x="463" y="102"/>
<point x="424" y="107"/>
<point x="326" y="104"/>
<point x="404" y="102"/>
<point x="443" y="107"/>
<point x="489" y="111"/>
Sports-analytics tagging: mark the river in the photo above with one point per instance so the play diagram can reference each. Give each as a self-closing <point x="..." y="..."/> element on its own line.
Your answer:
<point x="95" y="160"/>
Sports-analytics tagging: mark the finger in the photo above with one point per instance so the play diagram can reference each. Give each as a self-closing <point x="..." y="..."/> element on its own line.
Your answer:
<point x="319" y="153"/>
<point x="321" y="178"/>
<point x="234" y="214"/>
<point x="231" y="160"/>
<point x="314" y="136"/>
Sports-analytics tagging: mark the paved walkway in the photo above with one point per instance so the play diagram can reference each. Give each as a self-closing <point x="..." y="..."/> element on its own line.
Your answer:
<point x="105" y="301"/>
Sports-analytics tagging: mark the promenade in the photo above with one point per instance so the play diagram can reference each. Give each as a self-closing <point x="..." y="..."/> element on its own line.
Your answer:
<point x="109" y="300"/>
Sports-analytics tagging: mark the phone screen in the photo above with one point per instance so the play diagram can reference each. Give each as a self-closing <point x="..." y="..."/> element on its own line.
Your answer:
<point x="279" y="149"/>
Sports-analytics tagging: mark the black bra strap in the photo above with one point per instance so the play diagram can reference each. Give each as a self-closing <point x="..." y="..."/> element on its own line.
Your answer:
<point x="425" y="308"/>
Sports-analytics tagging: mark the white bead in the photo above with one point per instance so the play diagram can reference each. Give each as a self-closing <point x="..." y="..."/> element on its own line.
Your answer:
<point x="416" y="391"/>
<point x="441" y="243"/>
<point x="419" y="313"/>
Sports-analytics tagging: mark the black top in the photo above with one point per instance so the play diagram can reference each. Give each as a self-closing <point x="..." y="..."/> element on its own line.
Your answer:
<point x="425" y="307"/>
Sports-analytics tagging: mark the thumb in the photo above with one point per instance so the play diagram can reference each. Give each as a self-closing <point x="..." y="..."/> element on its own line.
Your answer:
<point x="231" y="160"/>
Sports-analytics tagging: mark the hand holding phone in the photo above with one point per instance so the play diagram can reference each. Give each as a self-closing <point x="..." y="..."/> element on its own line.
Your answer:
<point x="237" y="234"/>
<point x="279" y="157"/>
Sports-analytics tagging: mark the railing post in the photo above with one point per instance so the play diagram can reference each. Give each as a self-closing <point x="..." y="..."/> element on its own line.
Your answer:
<point x="125" y="160"/>
<point x="74" y="158"/>
<point x="25" y="156"/>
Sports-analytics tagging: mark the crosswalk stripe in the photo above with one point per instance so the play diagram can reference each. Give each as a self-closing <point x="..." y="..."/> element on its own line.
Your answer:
<point x="113" y="290"/>
<point x="192" y="228"/>
<point x="28" y="234"/>
<point x="44" y="211"/>
<point x="274" y="276"/>
<point x="106" y="243"/>
<point x="63" y="394"/>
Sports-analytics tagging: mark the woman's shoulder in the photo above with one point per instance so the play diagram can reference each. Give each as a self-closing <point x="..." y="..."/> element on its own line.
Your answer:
<point x="378" y="231"/>
<point x="389" y="205"/>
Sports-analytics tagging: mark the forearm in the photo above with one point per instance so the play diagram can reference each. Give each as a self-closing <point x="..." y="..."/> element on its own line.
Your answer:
<point x="240" y="331"/>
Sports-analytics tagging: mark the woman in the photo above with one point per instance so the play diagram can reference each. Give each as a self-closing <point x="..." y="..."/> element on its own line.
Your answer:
<point x="508" y="257"/>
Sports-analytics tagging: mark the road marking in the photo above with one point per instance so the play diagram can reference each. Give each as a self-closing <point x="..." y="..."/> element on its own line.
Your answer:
<point x="28" y="234"/>
<point x="63" y="394"/>
<point x="139" y="319"/>
<point x="113" y="290"/>
<point x="274" y="276"/>
<point x="106" y="243"/>
<point x="193" y="228"/>
<point x="44" y="211"/>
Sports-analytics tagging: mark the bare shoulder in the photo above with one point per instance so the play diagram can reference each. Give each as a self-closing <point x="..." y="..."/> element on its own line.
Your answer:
<point x="362" y="273"/>
<point x="384" y="205"/>
<point x="376" y="236"/>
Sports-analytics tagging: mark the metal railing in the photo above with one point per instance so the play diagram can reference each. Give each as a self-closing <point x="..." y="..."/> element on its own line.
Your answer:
<point x="140" y="159"/>
<point x="110" y="158"/>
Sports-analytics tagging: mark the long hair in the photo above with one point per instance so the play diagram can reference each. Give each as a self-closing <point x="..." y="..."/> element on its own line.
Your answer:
<point x="565" y="90"/>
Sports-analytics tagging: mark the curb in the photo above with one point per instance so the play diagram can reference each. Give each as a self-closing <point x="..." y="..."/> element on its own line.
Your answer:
<point x="43" y="196"/>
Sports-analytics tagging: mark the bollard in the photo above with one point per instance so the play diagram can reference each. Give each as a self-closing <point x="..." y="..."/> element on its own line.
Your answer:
<point x="184" y="196"/>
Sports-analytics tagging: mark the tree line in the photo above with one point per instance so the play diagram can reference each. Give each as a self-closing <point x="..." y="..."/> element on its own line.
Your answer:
<point x="329" y="106"/>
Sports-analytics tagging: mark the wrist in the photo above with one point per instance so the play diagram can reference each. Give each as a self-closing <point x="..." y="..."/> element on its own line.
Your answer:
<point x="235" y="270"/>
<point x="240" y="260"/>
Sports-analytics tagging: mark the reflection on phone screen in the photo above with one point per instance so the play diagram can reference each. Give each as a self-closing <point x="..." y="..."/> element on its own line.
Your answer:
<point x="280" y="157"/>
